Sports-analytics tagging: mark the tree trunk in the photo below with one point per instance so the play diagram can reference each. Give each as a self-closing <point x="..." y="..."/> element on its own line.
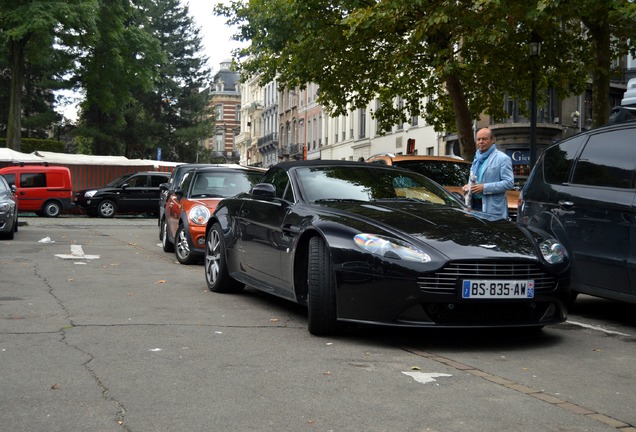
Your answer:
<point x="601" y="75"/>
<point x="14" y="126"/>
<point x="463" y="121"/>
<point x="599" y="30"/>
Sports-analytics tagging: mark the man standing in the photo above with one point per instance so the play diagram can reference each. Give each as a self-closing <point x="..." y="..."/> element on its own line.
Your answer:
<point x="492" y="176"/>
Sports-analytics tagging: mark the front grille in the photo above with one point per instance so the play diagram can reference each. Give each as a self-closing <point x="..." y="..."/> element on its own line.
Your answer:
<point x="448" y="280"/>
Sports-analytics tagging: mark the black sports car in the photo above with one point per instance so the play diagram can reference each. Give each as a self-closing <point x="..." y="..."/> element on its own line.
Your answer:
<point x="366" y="243"/>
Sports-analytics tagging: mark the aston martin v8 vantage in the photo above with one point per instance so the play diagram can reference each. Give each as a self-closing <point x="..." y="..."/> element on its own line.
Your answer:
<point x="372" y="244"/>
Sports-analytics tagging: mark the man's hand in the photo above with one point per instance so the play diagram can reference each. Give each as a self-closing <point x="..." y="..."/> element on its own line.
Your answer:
<point x="477" y="188"/>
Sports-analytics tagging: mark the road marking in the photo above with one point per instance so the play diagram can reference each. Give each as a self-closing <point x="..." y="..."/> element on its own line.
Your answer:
<point x="597" y="328"/>
<point x="422" y="377"/>
<point x="77" y="253"/>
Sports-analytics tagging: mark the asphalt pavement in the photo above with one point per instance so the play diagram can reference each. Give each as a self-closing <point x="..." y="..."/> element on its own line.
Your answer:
<point x="100" y="330"/>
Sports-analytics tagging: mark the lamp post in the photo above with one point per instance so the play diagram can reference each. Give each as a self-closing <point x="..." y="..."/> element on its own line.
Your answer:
<point x="535" y="51"/>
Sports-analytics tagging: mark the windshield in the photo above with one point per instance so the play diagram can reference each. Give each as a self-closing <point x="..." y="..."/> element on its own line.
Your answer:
<point x="369" y="183"/>
<point x="445" y="173"/>
<point x="222" y="184"/>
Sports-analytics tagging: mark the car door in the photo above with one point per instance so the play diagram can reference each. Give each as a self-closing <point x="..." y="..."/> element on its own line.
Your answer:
<point x="173" y="206"/>
<point x="31" y="191"/>
<point x="132" y="197"/>
<point x="263" y="243"/>
<point x="597" y="211"/>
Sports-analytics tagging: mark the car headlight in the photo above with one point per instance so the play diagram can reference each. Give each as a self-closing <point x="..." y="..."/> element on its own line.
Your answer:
<point x="390" y="248"/>
<point x="553" y="251"/>
<point x="5" y="207"/>
<point x="199" y="215"/>
<point x="90" y="193"/>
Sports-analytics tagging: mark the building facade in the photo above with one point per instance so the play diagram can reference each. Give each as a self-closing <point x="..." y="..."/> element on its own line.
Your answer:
<point x="246" y="142"/>
<point x="225" y="95"/>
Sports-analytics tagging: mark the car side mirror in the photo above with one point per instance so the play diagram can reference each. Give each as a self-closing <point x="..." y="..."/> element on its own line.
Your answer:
<point x="163" y="187"/>
<point x="178" y="193"/>
<point x="14" y="189"/>
<point x="264" y="190"/>
<point x="124" y="186"/>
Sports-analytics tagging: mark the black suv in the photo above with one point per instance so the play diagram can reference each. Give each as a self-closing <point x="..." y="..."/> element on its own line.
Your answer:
<point x="583" y="189"/>
<point x="131" y="193"/>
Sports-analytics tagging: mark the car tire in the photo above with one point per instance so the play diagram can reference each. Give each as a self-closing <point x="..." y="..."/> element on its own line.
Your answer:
<point x="166" y="244"/>
<point x="161" y="230"/>
<point x="51" y="209"/>
<point x="106" y="209"/>
<point x="216" y="275"/>
<point x="321" y="284"/>
<point x="182" y="247"/>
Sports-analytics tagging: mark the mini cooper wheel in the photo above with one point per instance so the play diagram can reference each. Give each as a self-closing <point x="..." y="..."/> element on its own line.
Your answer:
<point x="182" y="247"/>
<point x="216" y="274"/>
<point x="51" y="209"/>
<point x="166" y="244"/>
<point x="321" y="281"/>
<point x="106" y="209"/>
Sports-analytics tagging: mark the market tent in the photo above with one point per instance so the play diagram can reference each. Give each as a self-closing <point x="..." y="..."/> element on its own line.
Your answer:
<point x="9" y="156"/>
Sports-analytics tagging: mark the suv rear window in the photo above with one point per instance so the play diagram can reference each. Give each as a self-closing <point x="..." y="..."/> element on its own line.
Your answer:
<point x="607" y="160"/>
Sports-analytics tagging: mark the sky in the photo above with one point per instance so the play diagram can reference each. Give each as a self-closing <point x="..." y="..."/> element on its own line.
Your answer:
<point x="215" y="33"/>
<point x="216" y="41"/>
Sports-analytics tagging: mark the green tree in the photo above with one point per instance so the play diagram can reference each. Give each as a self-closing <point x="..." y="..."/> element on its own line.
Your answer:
<point x="120" y="58"/>
<point x="24" y="26"/>
<point x="449" y="61"/>
<point x="610" y="32"/>
<point x="176" y="112"/>
<point x="142" y="77"/>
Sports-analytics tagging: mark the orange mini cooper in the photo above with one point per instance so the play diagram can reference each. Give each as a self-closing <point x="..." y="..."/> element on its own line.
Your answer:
<point x="190" y="206"/>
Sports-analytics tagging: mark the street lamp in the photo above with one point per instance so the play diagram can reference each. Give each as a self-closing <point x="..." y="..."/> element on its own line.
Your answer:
<point x="535" y="51"/>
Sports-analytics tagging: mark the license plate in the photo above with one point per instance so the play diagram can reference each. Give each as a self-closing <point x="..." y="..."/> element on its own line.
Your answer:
<point x="498" y="289"/>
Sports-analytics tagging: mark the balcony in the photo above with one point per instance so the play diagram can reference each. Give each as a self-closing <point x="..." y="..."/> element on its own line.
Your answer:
<point x="268" y="143"/>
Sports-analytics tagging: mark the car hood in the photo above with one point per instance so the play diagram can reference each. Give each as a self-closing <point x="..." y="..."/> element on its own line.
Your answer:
<point x="210" y="203"/>
<point x="454" y="232"/>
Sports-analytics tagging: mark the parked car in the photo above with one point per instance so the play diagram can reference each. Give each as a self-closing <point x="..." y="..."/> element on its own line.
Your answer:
<point x="365" y="243"/>
<point x="168" y="188"/>
<point x="189" y="207"/>
<point x="450" y="172"/>
<point x="584" y="188"/>
<point x="43" y="189"/>
<point x="8" y="210"/>
<point x="131" y="193"/>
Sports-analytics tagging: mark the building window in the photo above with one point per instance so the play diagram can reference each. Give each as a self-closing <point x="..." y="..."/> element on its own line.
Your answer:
<point x="400" y="105"/>
<point x="218" y="112"/>
<point x="362" y="116"/>
<point x="219" y="140"/>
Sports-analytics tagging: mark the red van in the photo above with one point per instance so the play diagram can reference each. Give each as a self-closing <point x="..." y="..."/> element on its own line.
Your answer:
<point x="45" y="190"/>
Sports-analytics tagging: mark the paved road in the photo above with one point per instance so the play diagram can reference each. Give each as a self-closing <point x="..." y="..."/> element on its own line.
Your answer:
<point x="126" y="339"/>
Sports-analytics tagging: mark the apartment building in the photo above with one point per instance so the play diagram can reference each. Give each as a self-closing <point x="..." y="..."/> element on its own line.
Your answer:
<point x="226" y="101"/>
